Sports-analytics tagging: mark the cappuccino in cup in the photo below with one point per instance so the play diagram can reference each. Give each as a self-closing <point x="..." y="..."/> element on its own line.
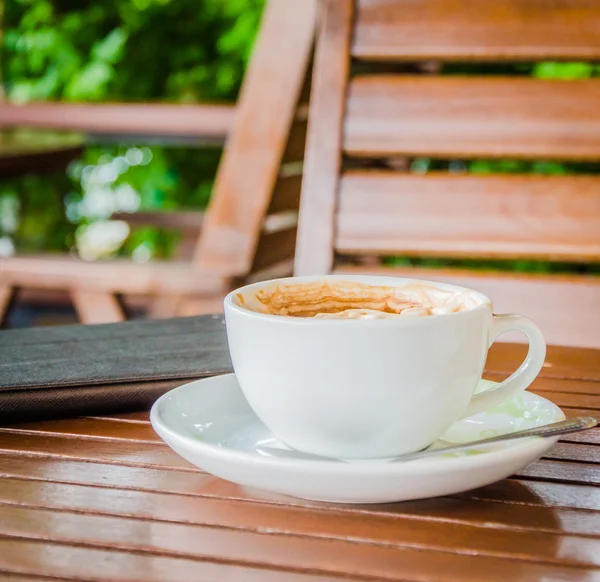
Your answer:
<point x="360" y="367"/>
<point x="354" y="300"/>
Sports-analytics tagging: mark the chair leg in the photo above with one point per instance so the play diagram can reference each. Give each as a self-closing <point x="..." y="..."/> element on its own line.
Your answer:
<point x="7" y="295"/>
<point x="189" y="306"/>
<point x="96" y="307"/>
<point x="184" y="306"/>
<point x="164" y="306"/>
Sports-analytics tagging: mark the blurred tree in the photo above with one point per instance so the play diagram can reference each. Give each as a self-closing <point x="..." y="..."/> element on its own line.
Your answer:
<point x="180" y="51"/>
<point x="127" y="50"/>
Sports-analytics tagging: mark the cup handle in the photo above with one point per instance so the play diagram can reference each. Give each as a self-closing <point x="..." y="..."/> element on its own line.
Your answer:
<point x="527" y="371"/>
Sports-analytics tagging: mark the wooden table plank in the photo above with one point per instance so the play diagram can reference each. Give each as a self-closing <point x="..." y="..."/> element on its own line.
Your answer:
<point x="545" y="384"/>
<point x="131" y="453"/>
<point x="546" y="494"/>
<point x="420" y="529"/>
<point x="106" y="429"/>
<point x="124" y="453"/>
<point x="574" y="452"/>
<point x="566" y="400"/>
<point x="324" y="555"/>
<point x="582" y="412"/>
<point x="59" y="560"/>
<point x="141" y="416"/>
<point x="196" y="483"/>
<point x="23" y="578"/>
<point x="561" y="472"/>
<point x="90" y="428"/>
<point x="561" y="362"/>
<point x="536" y="505"/>
<point x="591" y="437"/>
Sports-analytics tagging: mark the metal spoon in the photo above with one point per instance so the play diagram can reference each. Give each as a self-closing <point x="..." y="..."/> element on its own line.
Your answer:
<point x="567" y="426"/>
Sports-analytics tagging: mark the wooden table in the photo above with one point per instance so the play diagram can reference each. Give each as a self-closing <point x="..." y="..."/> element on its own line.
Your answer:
<point x="104" y="499"/>
<point x="27" y="150"/>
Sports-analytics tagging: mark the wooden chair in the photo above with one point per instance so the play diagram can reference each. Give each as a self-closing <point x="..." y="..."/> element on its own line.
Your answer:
<point x="249" y="226"/>
<point x="348" y="214"/>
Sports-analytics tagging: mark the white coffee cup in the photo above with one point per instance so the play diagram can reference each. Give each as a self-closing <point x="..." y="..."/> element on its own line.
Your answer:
<point x="369" y="388"/>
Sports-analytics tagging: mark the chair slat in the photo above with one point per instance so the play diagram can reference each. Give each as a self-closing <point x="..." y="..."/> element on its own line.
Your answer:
<point x="116" y="276"/>
<point x="473" y="117"/>
<point x="520" y="216"/>
<point x="140" y="119"/>
<point x="565" y="307"/>
<point x="507" y="30"/>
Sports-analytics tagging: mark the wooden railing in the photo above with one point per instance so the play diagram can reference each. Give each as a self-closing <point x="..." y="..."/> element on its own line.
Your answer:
<point x="211" y="122"/>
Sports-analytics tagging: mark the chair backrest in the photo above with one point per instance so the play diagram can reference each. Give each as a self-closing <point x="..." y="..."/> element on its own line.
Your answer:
<point x="351" y="209"/>
<point x="251" y="221"/>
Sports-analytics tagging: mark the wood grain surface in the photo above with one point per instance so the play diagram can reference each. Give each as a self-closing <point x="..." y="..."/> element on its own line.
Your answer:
<point x="314" y="253"/>
<point x="517" y="216"/>
<point x="102" y="498"/>
<point x="155" y="119"/>
<point x="509" y="30"/>
<point x="470" y="117"/>
<point x="116" y="276"/>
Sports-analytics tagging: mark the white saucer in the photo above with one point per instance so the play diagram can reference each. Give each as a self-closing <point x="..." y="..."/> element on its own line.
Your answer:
<point x="210" y="424"/>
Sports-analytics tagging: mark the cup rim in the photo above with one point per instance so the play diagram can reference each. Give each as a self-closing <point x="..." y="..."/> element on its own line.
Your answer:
<point x="231" y="305"/>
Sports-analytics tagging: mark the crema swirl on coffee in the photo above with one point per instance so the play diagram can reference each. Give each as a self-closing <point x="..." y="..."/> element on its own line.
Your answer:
<point x="353" y="300"/>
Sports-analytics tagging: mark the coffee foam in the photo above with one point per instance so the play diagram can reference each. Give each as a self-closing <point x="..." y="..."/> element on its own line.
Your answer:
<point x="353" y="300"/>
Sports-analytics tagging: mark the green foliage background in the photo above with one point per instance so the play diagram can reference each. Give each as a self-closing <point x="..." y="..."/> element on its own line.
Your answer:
<point x="175" y="50"/>
<point x="181" y="51"/>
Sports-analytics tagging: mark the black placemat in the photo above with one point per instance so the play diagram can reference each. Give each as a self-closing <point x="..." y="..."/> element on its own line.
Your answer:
<point x="91" y="369"/>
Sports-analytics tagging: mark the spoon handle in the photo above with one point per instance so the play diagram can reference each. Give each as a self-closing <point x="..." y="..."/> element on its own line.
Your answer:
<point x="549" y="430"/>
